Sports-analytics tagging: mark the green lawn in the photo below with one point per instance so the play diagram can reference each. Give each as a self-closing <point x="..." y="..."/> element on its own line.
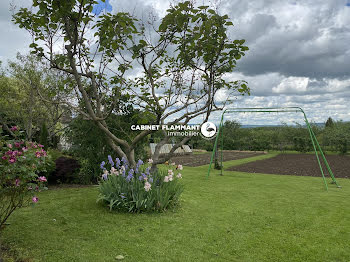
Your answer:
<point x="235" y="217"/>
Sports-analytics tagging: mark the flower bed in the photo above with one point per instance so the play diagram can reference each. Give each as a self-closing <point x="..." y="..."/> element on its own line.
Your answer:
<point x="137" y="190"/>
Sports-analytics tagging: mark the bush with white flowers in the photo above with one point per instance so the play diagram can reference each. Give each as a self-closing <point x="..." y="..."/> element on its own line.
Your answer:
<point x="123" y="188"/>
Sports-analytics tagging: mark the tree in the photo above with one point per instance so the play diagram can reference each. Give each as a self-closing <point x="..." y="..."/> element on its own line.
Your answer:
<point x="32" y="95"/>
<point x="44" y="135"/>
<point x="183" y="66"/>
<point x="329" y="122"/>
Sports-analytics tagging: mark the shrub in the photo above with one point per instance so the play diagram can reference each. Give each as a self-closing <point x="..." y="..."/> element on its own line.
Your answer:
<point x="20" y="164"/>
<point x="125" y="189"/>
<point x="88" y="143"/>
<point x="86" y="174"/>
<point x="66" y="170"/>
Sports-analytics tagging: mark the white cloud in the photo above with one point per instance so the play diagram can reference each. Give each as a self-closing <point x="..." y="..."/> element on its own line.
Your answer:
<point x="292" y="85"/>
<point x="299" y="53"/>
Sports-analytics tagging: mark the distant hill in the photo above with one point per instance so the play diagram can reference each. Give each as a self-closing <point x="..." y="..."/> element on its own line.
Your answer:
<point x="255" y="126"/>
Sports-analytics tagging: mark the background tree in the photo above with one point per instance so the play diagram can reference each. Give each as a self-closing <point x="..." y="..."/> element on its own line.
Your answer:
<point x="32" y="96"/>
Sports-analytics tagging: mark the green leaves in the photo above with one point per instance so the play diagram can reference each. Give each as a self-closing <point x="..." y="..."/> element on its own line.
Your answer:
<point x="129" y="195"/>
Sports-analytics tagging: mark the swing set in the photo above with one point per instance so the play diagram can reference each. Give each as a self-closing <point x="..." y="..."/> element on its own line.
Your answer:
<point x="315" y="144"/>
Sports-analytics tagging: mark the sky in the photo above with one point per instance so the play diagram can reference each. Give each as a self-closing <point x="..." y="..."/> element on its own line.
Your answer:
<point x="299" y="53"/>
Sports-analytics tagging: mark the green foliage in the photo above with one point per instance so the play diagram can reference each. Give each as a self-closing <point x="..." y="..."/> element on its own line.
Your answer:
<point x="44" y="135"/>
<point x="92" y="147"/>
<point x="335" y="137"/>
<point x="20" y="165"/>
<point x="86" y="175"/>
<point x="329" y="122"/>
<point x="135" y="191"/>
<point x="87" y="144"/>
<point x="31" y="96"/>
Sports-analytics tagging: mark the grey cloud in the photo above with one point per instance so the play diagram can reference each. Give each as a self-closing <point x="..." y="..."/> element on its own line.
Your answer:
<point x="313" y="45"/>
<point x="288" y="40"/>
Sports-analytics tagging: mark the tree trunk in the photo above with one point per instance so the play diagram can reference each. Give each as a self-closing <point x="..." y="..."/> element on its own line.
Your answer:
<point x="29" y="128"/>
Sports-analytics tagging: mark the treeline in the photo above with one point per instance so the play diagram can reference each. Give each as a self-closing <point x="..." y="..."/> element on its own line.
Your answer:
<point x="334" y="136"/>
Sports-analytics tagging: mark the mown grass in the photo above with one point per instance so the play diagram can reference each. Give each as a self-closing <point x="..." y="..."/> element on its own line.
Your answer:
<point x="235" y="217"/>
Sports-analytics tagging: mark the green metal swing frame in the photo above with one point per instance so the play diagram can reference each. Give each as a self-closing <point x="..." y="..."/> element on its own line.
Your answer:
<point x="315" y="144"/>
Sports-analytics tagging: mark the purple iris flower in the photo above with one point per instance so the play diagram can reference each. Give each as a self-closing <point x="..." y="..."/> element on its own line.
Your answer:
<point x="105" y="176"/>
<point x="150" y="180"/>
<point x="102" y="166"/>
<point x="140" y="178"/>
<point x="129" y="177"/>
<point x="117" y="162"/>
<point x="143" y="175"/>
<point x="124" y="160"/>
<point x="122" y="195"/>
<point x="147" y="170"/>
<point x="139" y="163"/>
<point x="110" y="160"/>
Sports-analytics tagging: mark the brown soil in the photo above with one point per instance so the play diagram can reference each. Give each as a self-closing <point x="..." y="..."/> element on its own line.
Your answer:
<point x="297" y="165"/>
<point x="204" y="159"/>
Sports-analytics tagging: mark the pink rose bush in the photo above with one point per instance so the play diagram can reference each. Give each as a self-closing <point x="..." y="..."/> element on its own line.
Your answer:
<point x="20" y="163"/>
<point x="134" y="190"/>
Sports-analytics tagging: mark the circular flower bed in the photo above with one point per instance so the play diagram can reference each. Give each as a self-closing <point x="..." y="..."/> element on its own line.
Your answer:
<point x="137" y="190"/>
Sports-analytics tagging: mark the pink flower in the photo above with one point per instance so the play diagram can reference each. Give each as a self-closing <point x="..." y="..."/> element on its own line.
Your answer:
<point x="43" y="152"/>
<point x="9" y="145"/>
<point x="179" y="167"/>
<point x="166" y="179"/>
<point x="147" y="187"/>
<point x="179" y="175"/>
<point x="150" y="161"/>
<point x="12" y="160"/>
<point x="17" y="144"/>
<point x="4" y="157"/>
<point x="24" y="149"/>
<point x="40" y="145"/>
<point x="17" y="182"/>
<point x="37" y="154"/>
<point x="35" y="199"/>
<point x="42" y="179"/>
<point x="171" y="178"/>
<point x="14" y="128"/>
<point x="170" y="172"/>
<point x="173" y="164"/>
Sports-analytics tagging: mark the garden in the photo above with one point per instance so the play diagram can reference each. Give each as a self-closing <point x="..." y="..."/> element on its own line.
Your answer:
<point x="78" y="183"/>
